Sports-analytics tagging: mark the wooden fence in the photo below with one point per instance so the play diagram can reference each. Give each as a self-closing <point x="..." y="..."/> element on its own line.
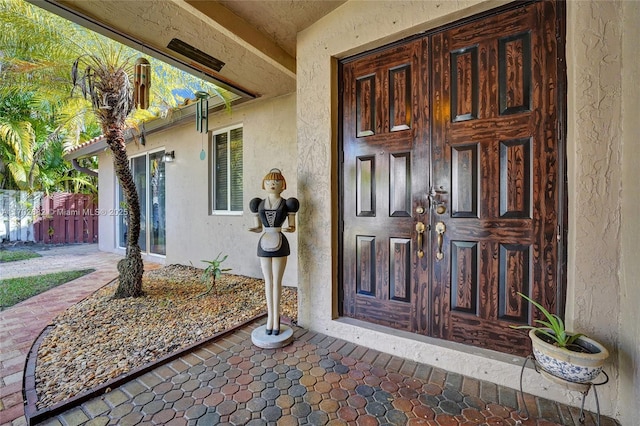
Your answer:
<point x="67" y="218"/>
<point x="50" y="219"/>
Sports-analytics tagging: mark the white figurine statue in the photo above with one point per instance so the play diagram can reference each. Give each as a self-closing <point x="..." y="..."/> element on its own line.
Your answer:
<point x="273" y="247"/>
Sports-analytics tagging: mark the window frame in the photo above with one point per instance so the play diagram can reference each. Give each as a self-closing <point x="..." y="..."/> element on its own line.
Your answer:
<point x="212" y="171"/>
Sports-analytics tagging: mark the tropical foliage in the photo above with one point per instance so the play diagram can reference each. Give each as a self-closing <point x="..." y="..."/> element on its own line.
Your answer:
<point x="39" y="119"/>
<point x="552" y="327"/>
<point x="213" y="272"/>
<point x="34" y="101"/>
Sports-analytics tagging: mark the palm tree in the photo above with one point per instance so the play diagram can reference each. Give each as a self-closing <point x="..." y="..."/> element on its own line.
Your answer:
<point x="16" y="141"/>
<point x="105" y="81"/>
<point x="36" y="49"/>
<point x="36" y="113"/>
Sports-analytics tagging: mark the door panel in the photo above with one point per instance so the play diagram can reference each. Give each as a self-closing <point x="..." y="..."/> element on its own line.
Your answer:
<point x="497" y="138"/>
<point x="381" y="110"/>
<point x="463" y="124"/>
<point x="464" y="180"/>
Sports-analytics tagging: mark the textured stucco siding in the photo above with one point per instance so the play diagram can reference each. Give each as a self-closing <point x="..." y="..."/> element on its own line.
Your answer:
<point x="629" y="318"/>
<point x="596" y="174"/>
<point x="193" y="233"/>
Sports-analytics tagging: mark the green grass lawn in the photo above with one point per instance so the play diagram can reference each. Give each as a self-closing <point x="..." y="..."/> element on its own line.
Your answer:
<point x="14" y="255"/>
<point x="14" y="290"/>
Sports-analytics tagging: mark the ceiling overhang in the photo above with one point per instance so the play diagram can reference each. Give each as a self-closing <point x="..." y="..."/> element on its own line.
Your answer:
<point x="236" y="28"/>
<point x="254" y="65"/>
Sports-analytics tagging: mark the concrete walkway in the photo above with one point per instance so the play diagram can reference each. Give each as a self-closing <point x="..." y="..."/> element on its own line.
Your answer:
<point x="59" y="258"/>
<point x="21" y="324"/>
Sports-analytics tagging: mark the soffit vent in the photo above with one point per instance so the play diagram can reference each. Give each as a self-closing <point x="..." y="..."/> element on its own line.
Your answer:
<point x="197" y="55"/>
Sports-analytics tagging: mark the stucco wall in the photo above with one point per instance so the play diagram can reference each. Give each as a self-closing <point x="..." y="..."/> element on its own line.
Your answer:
<point x="595" y="160"/>
<point x="595" y="134"/>
<point x="629" y="323"/>
<point x="193" y="234"/>
<point x="596" y="138"/>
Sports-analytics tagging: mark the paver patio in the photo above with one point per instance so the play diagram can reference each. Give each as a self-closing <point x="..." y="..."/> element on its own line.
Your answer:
<point x="316" y="380"/>
<point x="21" y="324"/>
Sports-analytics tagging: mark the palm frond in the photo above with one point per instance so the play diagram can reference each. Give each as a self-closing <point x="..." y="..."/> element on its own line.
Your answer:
<point x="19" y="137"/>
<point x="19" y="174"/>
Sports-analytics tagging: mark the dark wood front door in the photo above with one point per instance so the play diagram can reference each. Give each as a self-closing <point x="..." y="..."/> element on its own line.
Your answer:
<point x="455" y="133"/>
<point x="383" y="175"/>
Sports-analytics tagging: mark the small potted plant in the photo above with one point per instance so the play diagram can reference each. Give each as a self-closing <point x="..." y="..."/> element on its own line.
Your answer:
<point x="569" y="356"/>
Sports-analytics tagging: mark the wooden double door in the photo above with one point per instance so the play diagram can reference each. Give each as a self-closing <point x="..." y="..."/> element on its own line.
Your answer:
<point x="452" y="189"/>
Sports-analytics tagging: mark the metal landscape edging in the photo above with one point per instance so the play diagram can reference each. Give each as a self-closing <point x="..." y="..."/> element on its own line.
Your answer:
<point x="35" y="416"/>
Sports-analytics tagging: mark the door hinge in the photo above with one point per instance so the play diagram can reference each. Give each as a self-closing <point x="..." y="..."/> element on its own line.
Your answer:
<point x="559" y="236"/>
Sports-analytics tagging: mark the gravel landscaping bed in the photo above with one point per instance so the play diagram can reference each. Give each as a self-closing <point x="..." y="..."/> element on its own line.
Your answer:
<point x="102" y="338"/>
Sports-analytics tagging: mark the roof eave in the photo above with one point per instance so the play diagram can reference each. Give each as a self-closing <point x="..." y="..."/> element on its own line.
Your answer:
<point x="176" y="117"/>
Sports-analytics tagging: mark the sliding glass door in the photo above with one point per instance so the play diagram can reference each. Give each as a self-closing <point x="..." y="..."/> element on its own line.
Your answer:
<point x="156" y="225"/>
<point x="149" y="176"/>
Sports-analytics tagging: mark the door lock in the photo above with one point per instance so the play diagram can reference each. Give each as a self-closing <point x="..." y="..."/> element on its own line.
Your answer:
<point x="438" y="199"/>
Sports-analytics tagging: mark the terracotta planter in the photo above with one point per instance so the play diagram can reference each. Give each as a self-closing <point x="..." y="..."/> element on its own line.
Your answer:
<point x="572" y="366"/>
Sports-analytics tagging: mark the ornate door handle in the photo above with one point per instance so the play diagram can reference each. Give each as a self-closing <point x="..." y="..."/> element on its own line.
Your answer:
<point x="440" y="228"/>
<point x="420" y="228"/>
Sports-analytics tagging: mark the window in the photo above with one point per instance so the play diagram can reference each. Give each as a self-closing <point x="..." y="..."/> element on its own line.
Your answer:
<point x="226" y="179"/>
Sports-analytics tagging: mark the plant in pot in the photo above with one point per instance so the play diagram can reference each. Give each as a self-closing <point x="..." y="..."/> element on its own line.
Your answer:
<point x="569" y="356"/>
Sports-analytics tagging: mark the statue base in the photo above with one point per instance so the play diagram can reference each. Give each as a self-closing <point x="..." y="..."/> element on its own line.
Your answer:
<point x="261" y="339"/>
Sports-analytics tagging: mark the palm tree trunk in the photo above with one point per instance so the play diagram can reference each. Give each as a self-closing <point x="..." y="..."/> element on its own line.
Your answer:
<point x="131" y="267"/>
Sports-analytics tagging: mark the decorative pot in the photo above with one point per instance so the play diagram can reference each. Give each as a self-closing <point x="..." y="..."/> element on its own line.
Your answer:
<point x="572" y="366"/>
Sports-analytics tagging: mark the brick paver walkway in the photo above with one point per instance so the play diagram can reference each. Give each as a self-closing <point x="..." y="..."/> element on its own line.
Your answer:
<point x="21" y="324"/>
<point x="316" y="380"/>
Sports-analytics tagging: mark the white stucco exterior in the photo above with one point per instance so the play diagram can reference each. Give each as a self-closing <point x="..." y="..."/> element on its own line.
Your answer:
<point x="629" y="317"/>
<point x="298" y="134"/>
<point x="193" y="233"/>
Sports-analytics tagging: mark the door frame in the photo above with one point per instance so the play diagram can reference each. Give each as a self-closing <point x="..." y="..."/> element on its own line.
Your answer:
<point x="561" y="102"/>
